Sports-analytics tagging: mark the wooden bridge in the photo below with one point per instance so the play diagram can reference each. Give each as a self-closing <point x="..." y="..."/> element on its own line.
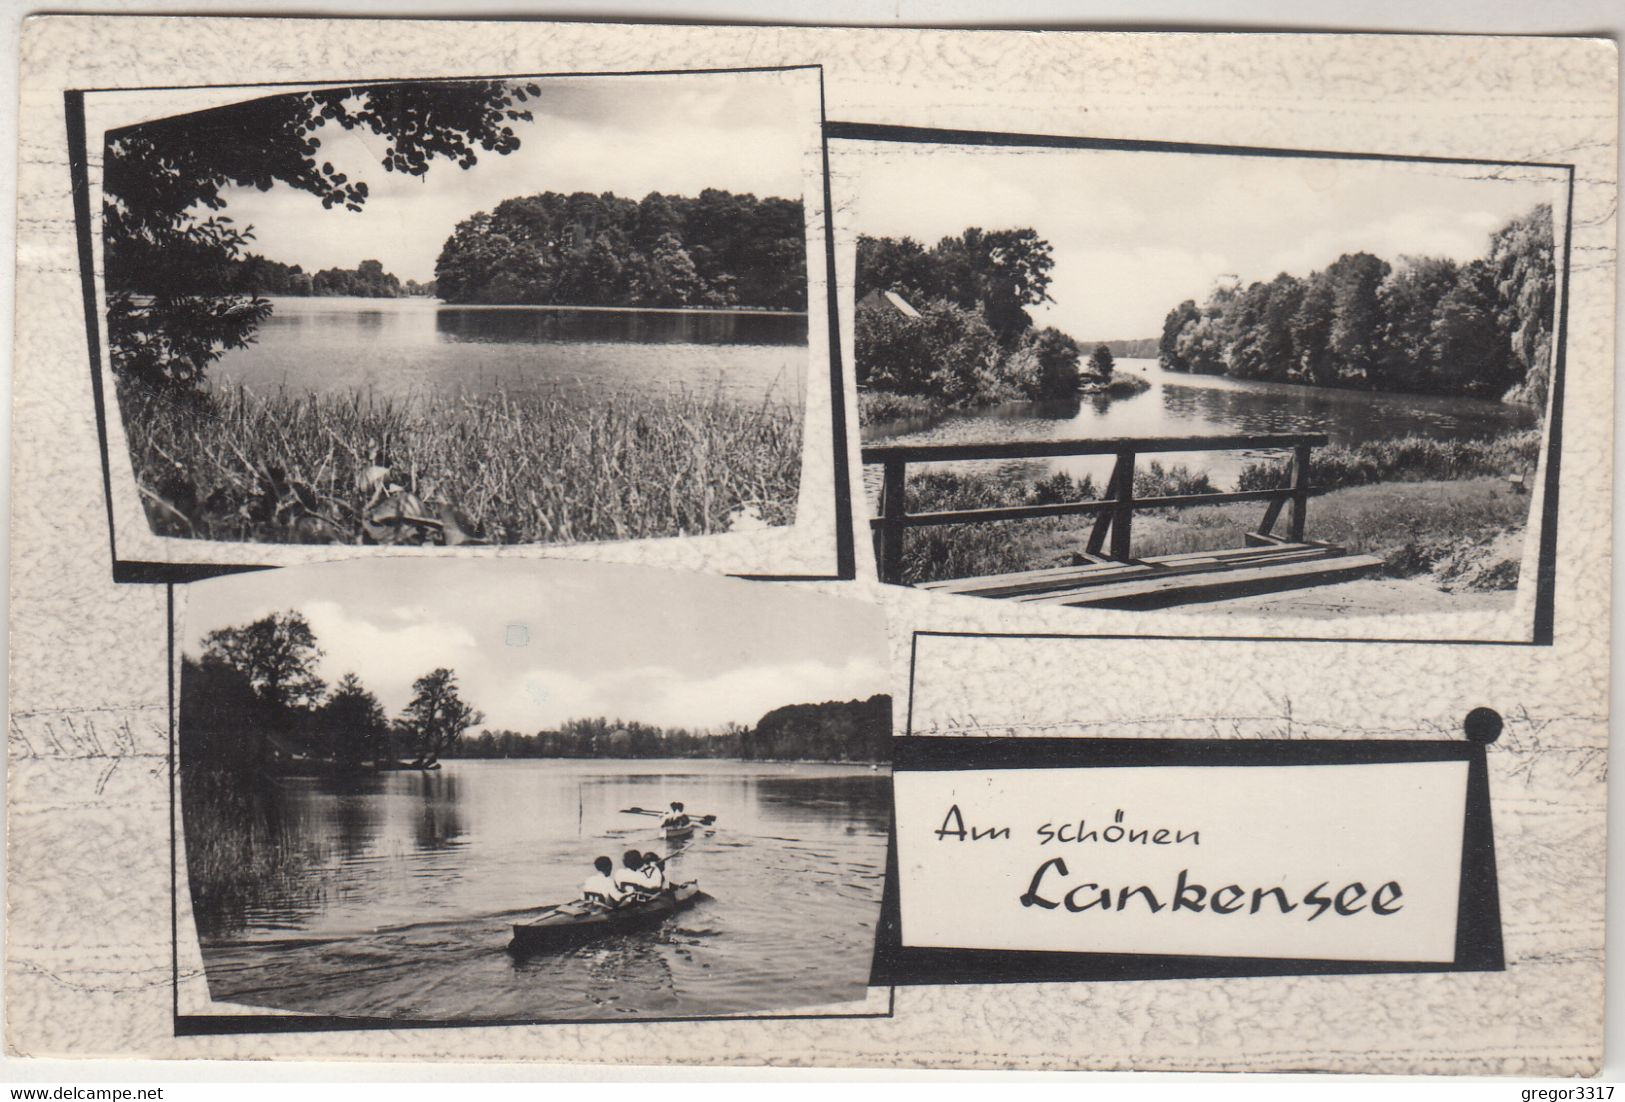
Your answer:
<point x="1106" y="574"/>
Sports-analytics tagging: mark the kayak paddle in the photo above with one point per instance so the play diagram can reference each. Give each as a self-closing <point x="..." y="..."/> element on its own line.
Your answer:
<point x="703" y="820"/>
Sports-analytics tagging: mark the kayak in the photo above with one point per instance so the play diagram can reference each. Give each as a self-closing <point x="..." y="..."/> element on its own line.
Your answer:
<point x="574" y="923"/>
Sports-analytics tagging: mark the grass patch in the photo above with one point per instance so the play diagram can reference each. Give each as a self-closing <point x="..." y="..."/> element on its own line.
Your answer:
<point x="1119" y="385"/>
<point x="557" y="467"/>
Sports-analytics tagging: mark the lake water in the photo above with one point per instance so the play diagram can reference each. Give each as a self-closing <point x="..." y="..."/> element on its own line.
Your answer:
<point x="410" y="347"/>
<point x="446" y="861"/>
<point x="1179" y="404"/>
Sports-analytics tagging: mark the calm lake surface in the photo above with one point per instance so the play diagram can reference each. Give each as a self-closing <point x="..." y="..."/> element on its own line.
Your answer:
<point x="411" y="882"/>
<point x="412" y="347"/>
<point x="1200" y="405"/>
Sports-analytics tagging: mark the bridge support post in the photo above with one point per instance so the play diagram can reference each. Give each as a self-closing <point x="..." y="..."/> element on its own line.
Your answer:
<point x="1300" y="491"/>
<point x="889" y="536"/>
<point x="1123" y="511"/>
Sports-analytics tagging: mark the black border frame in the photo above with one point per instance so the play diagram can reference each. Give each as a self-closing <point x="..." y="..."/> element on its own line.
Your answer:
<point x="146" y="572"/>
<point x="1478" y="923"/>
<point x="1542" y="622"/>
<point x="213" y="1025"/>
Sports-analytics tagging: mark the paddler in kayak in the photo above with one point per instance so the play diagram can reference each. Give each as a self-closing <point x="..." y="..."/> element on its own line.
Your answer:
<point x="633" y="877"/>
<point x="676" y="818"/>
<point x="655" y="870"/>
<point x="602" y="887"/>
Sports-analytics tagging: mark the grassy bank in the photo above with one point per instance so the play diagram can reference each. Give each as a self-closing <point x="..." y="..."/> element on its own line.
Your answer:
<point x="1406" y="458"/>
<point x="1449" y="512"/>
<point x="554" y="467"/>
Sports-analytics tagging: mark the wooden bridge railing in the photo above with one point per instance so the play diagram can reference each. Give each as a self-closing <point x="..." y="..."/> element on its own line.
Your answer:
<point x="1115" y="510"/>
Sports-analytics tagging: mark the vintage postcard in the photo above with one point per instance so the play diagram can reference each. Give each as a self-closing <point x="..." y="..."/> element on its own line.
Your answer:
<point x="1166" y="480"/>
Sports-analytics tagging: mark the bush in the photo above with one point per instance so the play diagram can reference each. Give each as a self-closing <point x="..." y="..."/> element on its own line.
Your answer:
<point x="948" y="352"/>
<point x="1057" y="355"/>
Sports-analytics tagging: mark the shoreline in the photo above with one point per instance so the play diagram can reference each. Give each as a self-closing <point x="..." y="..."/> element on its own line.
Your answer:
<point x="441" y="304"/>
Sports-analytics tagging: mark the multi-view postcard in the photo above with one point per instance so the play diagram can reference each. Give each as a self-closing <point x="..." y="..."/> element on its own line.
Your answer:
<point x="699" y="545"/>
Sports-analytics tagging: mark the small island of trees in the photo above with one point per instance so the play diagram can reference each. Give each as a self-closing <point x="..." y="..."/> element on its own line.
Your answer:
<point x="947" y="327"/>
<point x="718" y="250"/>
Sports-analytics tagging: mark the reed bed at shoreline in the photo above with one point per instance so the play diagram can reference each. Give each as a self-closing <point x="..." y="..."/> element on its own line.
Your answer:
<point x="237" y="856"/>
<point x="560" y="466"/>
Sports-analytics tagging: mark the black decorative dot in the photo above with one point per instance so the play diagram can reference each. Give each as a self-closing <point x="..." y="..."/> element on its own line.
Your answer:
<point x="1483" y="725"/>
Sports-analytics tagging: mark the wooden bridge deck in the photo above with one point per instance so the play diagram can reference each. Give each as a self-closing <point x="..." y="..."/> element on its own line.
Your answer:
<point x="1172" y="579"/>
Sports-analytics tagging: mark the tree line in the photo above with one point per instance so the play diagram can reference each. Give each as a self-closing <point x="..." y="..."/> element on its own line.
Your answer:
<point x="973" y="342"/>
<point x="718" y="249"/>
<point x="254" y="703"/>
<point x="1141" y="348"/>
<point x="257" y="275"/>
<point x="852" y="730"/>
<point x="1423" y="324"/>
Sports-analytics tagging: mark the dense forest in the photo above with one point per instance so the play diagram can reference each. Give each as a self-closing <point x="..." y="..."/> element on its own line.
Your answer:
<point x="855" y="730"/>
<point x="1422" y="324"/>
<point x="973" y="342"/>
<point x="717" y="250"/>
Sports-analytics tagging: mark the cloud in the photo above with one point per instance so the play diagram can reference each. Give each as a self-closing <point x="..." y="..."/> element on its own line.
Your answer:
<point x="678" y="135"/>
<point x="1136" y="233"/>
<point x="387" y="657"/>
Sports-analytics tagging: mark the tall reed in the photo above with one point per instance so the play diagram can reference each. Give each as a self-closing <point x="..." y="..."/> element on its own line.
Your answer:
<point x="557" y="466"/>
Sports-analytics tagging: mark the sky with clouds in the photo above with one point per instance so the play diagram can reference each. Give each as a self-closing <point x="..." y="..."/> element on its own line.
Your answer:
<point x="680" y="134"/>
<point x="537" y="643"/>
<point x="1135" y="233"/>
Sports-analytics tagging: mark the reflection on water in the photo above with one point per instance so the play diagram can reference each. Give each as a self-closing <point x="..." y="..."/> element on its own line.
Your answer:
<point x="410" y="348"/>
<point x="501" y="325"/>
<point x="1208" y="405"/>
<point x="403" y="886"/>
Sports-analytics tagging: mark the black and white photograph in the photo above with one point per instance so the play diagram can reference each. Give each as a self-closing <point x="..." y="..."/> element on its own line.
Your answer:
<point x="1254" y="385"/>
<point x="443" y="791"/>
<point x="540" y="310"/>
